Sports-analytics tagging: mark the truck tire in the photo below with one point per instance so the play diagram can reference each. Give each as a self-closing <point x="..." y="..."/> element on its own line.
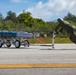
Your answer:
<point x="26" y="43"/>
<point x="8" y="43"/>
<point x="1" y="44"/>
<point x="17" y="44"/>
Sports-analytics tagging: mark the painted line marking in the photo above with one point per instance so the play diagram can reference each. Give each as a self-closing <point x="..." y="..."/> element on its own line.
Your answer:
<point x="37" y="65"/>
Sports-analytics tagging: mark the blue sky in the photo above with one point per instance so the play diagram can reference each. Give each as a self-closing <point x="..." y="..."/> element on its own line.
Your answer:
<point x="47" y="10"/>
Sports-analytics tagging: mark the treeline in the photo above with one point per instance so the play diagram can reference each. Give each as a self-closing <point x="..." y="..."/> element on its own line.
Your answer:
<point x="25" y="22"/>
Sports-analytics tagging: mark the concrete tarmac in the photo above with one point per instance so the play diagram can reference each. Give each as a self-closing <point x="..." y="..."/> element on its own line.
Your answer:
<point x="36" y="54"/>
<point x="64" y="55"/>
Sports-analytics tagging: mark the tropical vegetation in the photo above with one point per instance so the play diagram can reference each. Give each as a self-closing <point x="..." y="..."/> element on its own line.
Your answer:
<point x="25" y="22"/>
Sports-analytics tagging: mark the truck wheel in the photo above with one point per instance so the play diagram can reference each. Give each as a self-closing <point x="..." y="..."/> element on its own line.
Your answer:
<point x="17" y="44"/>
<point x="8" y="43"/>
<point x="1" y="44"/>
<point x="26" y="43"/>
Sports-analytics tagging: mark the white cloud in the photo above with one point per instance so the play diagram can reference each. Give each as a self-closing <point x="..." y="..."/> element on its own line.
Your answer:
<point x="16" y="1"/>
<point x="52" y="8"/>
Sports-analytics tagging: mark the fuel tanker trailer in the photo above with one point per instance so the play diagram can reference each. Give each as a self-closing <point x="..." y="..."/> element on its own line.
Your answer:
<point x="7" y="38"/>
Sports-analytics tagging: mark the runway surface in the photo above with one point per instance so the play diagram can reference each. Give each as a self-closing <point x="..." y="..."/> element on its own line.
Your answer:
<point x="36" y="54"/>
<point x="38" y="60"/>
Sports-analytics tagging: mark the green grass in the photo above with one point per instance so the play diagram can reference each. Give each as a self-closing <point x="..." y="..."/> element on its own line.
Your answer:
<point x="48" y="40"/>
